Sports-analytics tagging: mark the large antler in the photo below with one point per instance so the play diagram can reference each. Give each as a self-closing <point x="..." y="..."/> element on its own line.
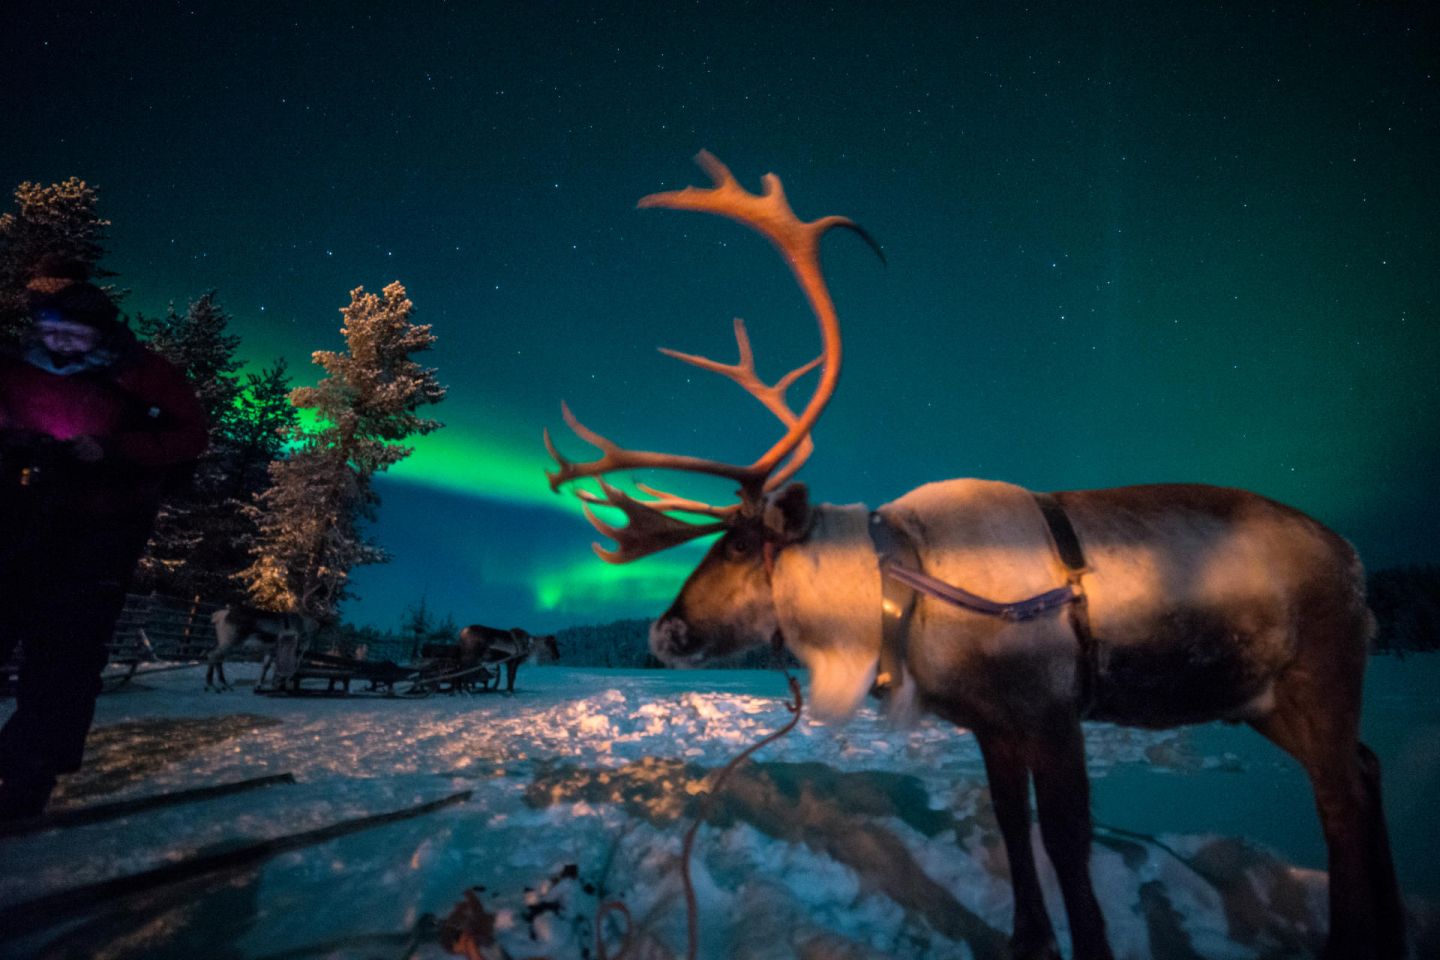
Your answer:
<point x="649" y="528"/>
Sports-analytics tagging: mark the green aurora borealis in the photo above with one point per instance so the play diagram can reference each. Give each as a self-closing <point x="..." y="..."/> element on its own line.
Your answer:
<point x="1126" y="243"/>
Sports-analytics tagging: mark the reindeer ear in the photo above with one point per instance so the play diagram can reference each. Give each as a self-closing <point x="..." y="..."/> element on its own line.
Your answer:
<point x="787" y="515"/>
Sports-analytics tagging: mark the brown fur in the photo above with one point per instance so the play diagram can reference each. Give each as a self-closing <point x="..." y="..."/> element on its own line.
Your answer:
<point x="236" y="625"/>
<point x="1207" y="603"/>
<point x="482" y="644"/>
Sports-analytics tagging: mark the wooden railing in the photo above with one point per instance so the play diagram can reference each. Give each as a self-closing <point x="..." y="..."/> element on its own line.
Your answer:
<point x="152" y="626"/>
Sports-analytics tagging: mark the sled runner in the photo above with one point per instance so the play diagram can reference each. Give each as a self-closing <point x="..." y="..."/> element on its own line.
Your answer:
<point x="97" y="812"/>
<point x="54" y="908"/>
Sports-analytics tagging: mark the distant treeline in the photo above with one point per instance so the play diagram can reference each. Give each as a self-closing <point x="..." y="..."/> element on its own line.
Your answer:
<point x="623" y="643"/>
<point x="1406" y="601"/>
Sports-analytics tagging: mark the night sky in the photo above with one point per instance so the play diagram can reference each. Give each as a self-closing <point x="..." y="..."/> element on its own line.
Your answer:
<point x="1127" y="243"/>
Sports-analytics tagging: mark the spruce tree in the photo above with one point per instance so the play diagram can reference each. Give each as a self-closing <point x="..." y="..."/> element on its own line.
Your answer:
<point x="266" y="415"/>
<point x="199" y="342"/>
<point x="417" y="625"/>
<point x="60" y="219"/>
<point x="204" y="533"/>
<point x="310" y="519"/>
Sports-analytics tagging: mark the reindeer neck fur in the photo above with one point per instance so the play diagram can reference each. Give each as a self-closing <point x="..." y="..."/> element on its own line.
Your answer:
<point x="826" y="590"/>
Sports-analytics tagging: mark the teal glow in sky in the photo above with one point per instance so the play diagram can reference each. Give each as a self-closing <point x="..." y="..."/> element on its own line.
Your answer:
<point x="1127" y="242"/>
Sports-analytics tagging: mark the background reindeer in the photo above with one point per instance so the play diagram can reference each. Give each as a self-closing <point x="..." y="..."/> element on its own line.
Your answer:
<point x="482" y="644"/>
<point x="1150" y="606"/>
<point x="236" y="625"/>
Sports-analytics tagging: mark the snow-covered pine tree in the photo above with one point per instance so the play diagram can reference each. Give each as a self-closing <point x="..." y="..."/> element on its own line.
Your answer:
<point x="60" y="219"/>
<point x="309" y="532"/>
<point x="310" y="518"/>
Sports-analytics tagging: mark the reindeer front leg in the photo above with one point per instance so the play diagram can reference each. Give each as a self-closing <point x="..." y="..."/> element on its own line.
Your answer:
<point x="1008" y="770"/>
<point x="215" y="671"/>
<point x="1062" y="797"/>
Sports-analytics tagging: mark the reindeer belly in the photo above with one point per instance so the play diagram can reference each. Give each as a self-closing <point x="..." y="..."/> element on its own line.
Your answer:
<point x="1191" y="664"/>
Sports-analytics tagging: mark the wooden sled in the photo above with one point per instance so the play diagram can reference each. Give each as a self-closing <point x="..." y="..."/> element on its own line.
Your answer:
<point x="441" y="670"/>
<point x="297" y="673"/>
<point x="294" y="672"/>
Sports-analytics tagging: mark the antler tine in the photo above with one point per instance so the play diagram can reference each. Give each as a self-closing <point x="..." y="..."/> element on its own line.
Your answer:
<point x="769" y="213"/>
<point x="616" y="457"/>
<point x="647" y="530"/>
<point x="669" y="501"/>
<point x="771" y="395"/>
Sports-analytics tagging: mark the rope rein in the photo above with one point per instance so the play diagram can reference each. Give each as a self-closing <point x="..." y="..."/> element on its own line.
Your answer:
<point x="687" y="848"/>
<point x="473" y="935"/>
<point x="692" y="909"/>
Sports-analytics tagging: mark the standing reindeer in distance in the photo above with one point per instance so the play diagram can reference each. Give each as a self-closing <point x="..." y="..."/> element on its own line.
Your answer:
<point x="236" y="625"/>
<point x="507" y="648"/>
<point x="1150" y="606"/>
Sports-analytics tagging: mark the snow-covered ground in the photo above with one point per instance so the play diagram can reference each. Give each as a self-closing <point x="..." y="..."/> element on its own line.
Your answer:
<point x="835" y="842"/>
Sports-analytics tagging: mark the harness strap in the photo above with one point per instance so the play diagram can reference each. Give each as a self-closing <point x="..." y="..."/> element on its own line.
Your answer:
<point x="902" y="580"/>
<point x="1067" y="545"/>
<point x="896" y="552"/>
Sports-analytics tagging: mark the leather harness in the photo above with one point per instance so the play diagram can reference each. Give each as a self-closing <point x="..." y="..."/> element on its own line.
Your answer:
<point x="903" y="579"/>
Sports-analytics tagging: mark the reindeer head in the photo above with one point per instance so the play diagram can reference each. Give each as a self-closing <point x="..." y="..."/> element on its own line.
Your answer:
<point x="726" y="603"/>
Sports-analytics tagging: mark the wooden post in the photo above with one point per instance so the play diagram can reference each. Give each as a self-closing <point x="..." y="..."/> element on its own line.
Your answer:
<point x="189" y="618"/>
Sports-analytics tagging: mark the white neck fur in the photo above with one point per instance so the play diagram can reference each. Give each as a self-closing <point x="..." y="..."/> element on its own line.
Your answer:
<point x="827" y="600"/>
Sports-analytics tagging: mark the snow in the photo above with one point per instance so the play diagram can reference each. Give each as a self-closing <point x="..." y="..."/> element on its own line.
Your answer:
<point x="851" y="841"/>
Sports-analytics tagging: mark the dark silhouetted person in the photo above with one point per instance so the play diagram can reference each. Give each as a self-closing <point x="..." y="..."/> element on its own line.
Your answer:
<point x="92" y="424"/>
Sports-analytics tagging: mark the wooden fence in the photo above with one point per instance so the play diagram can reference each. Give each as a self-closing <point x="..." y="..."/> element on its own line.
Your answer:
<point x="155" y="627"/>
<point x="151" y="627"/>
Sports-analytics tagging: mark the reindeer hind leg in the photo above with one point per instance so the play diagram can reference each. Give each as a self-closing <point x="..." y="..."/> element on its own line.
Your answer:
<point x="1388" y="905"/>
<point x="1320" y="731"/>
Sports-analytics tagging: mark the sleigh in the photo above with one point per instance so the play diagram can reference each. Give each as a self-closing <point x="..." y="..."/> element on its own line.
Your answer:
<point x="300" y="673"/>
<point x="442" y="670"/>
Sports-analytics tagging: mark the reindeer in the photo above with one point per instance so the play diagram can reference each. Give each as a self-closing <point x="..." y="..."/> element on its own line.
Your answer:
<point x="1150" y="606"/>
<point x="236" y="624"/>
<point x="482" y="644"/>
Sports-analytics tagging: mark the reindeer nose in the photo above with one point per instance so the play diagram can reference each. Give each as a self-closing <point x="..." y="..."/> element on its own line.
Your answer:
<point x="670" y="639"/>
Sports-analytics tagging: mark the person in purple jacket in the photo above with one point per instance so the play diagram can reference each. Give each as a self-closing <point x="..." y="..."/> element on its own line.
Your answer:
<point x="91" y="425"/>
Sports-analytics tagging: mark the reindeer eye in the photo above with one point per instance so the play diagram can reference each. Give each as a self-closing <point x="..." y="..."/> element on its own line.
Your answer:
<point x="739" y="548"/>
